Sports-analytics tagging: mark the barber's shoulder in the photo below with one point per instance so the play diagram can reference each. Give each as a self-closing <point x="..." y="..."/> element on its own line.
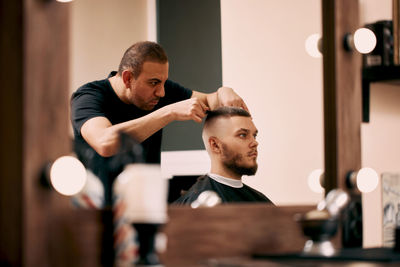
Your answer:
<point x="92" y="88"/>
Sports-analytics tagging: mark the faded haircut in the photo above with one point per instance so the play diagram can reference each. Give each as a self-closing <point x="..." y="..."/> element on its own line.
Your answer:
<point x="225" y="112"/>
<point x="135" y="56"/>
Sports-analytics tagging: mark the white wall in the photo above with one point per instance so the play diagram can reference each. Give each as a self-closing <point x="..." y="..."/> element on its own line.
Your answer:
<point x="101" y="31"/>
<point x="380" y="137"/>
<point x="264" y="60"/>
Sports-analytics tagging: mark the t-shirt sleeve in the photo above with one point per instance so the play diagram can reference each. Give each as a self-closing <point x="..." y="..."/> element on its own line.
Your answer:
<point x="175" y="92"/>
<point x="85" y="104"/>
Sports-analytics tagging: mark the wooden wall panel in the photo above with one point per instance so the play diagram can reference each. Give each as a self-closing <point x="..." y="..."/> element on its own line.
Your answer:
<point x="235" y="230"/>
<point x="342" y="92"/>
<point x="34" y="103"/>
<point x="46" y="102"/>
<point x="11" y="102"/>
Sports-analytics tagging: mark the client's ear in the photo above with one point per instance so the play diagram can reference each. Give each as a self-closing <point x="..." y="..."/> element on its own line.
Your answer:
<point x="215" y="144"/>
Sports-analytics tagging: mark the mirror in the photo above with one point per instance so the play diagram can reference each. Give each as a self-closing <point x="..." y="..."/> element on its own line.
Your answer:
<point x="263" y="59"/>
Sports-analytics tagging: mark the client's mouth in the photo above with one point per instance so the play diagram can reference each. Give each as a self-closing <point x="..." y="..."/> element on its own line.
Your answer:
<point x="253" y="154"/>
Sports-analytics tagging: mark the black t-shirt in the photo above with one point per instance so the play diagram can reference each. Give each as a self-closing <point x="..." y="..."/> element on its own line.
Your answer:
<point x="227" y="193"/>
<point x="99" y="99"/>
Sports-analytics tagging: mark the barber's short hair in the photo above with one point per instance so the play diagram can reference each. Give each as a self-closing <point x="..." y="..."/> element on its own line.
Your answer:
<point x="138" y="53"/>
<point x="225" y="112"/>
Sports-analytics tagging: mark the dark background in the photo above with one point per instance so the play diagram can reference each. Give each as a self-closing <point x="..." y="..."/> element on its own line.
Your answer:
<point x="190" y="32"/>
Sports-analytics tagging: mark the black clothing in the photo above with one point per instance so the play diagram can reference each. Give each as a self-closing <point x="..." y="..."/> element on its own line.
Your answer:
<point x="225" y="192"/>
<point x="98" y="99"/>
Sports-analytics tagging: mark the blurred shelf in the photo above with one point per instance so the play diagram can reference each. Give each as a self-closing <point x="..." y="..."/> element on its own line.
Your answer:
<point x="376" y="74"/>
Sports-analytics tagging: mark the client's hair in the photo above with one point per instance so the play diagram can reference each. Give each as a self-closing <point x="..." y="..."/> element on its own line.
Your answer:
<point x="225" y="112"/>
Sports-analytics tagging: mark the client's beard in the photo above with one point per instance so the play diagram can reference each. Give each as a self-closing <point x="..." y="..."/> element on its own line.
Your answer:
<point x="232" y="160"/>
<point x="241" y="170"/>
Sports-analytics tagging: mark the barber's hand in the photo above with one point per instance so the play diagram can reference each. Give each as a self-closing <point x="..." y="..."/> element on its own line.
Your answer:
<point x="228" y="97"/>
<point x="190" y="109"/>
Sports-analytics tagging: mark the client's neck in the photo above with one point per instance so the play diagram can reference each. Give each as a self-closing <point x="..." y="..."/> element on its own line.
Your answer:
<point x="221" y="170"/>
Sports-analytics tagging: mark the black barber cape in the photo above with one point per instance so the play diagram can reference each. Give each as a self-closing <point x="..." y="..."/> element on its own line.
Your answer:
<point x="225" y="192"/>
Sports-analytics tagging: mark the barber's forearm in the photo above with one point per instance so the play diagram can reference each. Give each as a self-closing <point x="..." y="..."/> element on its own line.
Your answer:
<point x="142" y="128"/>
<point x="104" y="137"/>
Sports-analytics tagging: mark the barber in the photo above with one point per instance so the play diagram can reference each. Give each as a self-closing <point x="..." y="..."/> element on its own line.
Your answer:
<point x="138" y="100"/>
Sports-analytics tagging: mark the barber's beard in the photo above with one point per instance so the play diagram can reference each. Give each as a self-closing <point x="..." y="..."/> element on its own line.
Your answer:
<point x="232" y="162"/>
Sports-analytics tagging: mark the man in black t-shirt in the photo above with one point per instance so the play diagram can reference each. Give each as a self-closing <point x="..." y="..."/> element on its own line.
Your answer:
<point x="138" y="100"/>
<point x="229" y="136"/>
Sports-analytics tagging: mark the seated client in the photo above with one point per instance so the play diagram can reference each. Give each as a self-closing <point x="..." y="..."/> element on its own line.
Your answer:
<point x="229" y="136"/>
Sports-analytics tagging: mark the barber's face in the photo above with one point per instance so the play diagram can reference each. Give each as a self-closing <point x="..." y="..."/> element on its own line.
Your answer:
<point x="239" y="146"/>
<point x="148" y="87"/>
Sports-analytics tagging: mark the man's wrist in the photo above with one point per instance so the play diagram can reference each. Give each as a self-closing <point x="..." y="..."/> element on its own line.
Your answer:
<point x="213" y="100"/>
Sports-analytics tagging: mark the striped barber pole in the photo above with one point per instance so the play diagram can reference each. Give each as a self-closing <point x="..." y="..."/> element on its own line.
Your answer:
<point x="92" y="197"/>
<point x="125" y="242"/>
